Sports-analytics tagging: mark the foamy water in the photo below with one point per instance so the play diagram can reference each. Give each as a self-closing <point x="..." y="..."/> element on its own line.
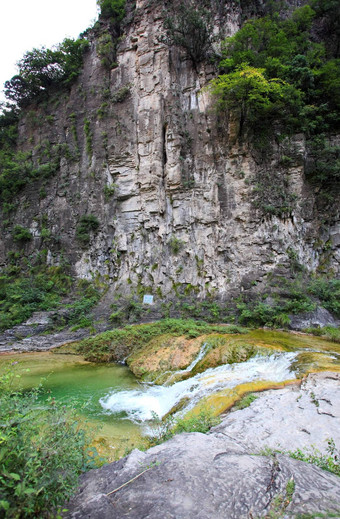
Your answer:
<point x="142" y="404"/>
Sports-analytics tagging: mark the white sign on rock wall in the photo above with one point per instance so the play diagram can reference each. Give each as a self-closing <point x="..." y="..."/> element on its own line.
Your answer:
<point x="148" y="299"/>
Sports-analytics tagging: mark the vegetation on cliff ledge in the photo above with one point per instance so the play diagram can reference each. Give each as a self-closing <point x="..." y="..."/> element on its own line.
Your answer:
<point x="36" y="287"/>
<point x="282" y="76"/>
<point x="41" y="70"/>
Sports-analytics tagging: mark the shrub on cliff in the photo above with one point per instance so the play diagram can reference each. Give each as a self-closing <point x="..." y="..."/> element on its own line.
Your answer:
<point x="248" y="91"/>
<point x="282" y="76"/>
<point x="88" y="223"/>
<point x="24" y="291"/>
<point x="41" y="69"/>
<point x="114" y="9"/>
<point x="190" y="26"/>
<point x="21" y="234"/>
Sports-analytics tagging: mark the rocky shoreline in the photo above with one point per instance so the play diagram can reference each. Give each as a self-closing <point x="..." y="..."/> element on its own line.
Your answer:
<point x="235" y="471"/>
<point x="225" y="474"/>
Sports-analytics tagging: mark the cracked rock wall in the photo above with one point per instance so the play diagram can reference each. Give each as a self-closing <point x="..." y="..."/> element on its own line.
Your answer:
<point x="142" y="149"/>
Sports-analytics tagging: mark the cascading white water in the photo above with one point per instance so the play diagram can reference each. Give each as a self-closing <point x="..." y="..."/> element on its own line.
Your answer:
<point x="141" y="405"/>
<point x="196" y="360"/>
<point x="200" y="356"/>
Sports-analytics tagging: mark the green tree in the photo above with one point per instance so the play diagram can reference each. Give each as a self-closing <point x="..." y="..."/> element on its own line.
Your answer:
<point x="41" y="69"/>
<point x="286" y="50"/>
<point x="247" y="91"/>
<point x="328" y="83"/>
<point x="114" y="9"/>
<point x="190" y="26"/>
<point x="263" y="39"/>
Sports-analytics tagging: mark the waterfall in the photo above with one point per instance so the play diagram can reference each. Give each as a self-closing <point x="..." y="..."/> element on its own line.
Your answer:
<point x="142" y="404"/>
<point x="200" y="356"/>
<point x="196" y="360"/>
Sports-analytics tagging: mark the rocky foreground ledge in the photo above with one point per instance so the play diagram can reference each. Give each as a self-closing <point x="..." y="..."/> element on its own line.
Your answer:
<point x="223" y="475"/>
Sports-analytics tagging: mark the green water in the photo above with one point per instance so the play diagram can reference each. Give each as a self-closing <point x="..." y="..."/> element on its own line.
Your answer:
<point x="71" y="380"/>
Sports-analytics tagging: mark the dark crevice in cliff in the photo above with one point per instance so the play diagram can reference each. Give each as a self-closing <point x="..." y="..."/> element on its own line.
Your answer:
<point x="164" y="157"/>
<point x="145" y="153"/>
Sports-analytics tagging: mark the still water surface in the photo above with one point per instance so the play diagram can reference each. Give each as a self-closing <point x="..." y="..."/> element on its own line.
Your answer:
<point x="70" y="379"/>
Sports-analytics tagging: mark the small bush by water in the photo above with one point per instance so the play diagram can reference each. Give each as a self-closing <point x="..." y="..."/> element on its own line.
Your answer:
<point x="166" y="429"/>
<point x="115" y="344"/>
<point x="245" y="401"/>
<point x="43" y="449"/>
<point x="328" y="332"/>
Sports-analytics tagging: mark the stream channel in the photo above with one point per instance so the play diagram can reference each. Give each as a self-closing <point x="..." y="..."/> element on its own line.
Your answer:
<point x="122" y="407"/>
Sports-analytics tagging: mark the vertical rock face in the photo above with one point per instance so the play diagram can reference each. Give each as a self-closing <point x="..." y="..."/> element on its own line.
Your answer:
<point x="173" y="188"/>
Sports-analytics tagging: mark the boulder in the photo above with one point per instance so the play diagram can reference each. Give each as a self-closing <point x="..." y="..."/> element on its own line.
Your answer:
<point x="318" y="318"/>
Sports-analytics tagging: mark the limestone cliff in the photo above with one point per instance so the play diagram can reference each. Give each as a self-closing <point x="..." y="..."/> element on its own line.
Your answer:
<point x="171" y="184"/>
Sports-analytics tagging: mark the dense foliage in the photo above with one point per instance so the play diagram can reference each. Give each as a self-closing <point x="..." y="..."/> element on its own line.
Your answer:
<point x="112" y="9"/>
<point x="286" y="52"/>
<point x="282" y="76"/>
<point x="41" y="69"/>
<point x="38" y="288"/>
<point x="43" y="449"/>
<point x="190" y="26"/>
<point x="247" y="90"/>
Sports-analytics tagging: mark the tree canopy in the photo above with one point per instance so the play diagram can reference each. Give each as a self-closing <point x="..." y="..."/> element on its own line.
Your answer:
<point x="276" y="67"/>
<point x="114" y="9"/>
<point x="40" y="69"/>
<point x="190" y="26"/>
<point x="247" y="90"/>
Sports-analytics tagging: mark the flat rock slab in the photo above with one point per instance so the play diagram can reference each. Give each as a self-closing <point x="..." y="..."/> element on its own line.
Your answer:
<point x="289" y="418"/>
<point x="13" y="343"/>
<point x="196" y="476"/>
<point x="36" y="334"/>
<point x="219" y="475"/>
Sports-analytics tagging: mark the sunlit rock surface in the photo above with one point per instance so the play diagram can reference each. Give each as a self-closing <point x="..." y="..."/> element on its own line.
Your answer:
<point x="221" y="475"/>
<point x="171" y="187"/>
<point x="290" y="418"/>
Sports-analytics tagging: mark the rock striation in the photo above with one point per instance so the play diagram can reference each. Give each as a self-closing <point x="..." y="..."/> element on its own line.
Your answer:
<point x="290" y="418"/>
<point x="170" y="183"/>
